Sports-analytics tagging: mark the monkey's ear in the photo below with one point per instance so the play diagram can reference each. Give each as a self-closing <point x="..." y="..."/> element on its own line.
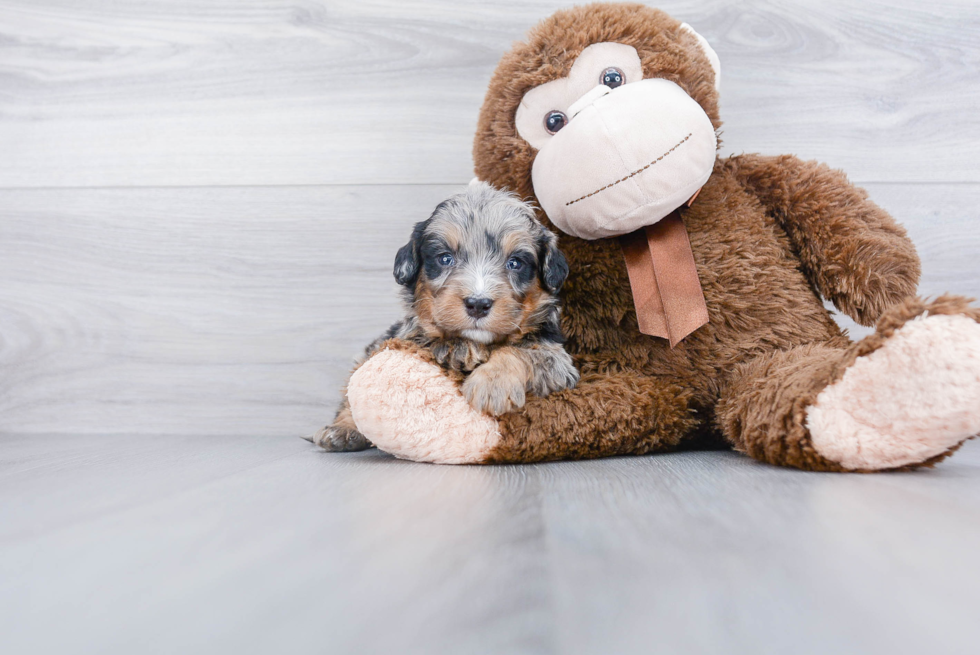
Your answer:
<point x="709" y="53"/>
<point x="554" y="267"/>
<point x="408" y="261"/>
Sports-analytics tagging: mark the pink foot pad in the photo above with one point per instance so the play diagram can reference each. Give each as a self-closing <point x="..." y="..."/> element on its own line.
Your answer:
<point x="912" y="399"/>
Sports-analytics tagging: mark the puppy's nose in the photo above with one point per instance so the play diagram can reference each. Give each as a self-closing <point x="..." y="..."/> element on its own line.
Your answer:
<point x="477" y="307"/>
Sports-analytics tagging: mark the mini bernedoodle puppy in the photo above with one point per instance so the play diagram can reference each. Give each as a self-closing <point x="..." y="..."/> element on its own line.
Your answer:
<point x="481" y="278"/>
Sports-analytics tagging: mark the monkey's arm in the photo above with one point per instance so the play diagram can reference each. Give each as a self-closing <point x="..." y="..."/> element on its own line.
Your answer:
<point x="409" y="406"/>
<point x="853" y="252"/>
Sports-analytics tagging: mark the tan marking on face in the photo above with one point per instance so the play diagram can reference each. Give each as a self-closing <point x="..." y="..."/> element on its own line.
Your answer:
<point x="452" y="233"/>
<point x="513" y="241"/>
<point x="504" y="317"/>
<point x="533" y="309"/>
<point x="424" y="309"/>
<point x="448" y="313"/>
<point x="448" y="310"/>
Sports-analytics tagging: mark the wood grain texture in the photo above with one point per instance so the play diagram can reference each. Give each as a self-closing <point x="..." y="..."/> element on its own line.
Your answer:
<point x="254" y="545"/>
<point x="239" y="311"/>
<point x="214" y="92"/>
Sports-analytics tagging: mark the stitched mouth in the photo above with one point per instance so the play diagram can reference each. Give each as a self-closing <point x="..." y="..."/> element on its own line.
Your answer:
<point x="634" y="173"/>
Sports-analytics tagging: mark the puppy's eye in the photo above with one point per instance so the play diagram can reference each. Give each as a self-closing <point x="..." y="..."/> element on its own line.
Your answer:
<point x="612" y="77"/>
<point x="554" y="121"/>
<point x="446" y="259"/>
<point x="514" y="264"/>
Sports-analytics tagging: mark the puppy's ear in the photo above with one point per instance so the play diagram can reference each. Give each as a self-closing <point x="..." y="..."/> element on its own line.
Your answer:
<point x="554" y="266"/>
<point x="408" y="261"/>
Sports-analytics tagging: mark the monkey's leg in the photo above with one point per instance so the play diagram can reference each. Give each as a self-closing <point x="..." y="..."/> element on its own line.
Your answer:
<point x="341" y="435"/>
<point x="410" y="407"/>
<point x="906" y="396"/>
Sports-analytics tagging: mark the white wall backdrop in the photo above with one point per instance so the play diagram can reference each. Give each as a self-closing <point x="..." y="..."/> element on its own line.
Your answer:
<point x="200" y="200"/>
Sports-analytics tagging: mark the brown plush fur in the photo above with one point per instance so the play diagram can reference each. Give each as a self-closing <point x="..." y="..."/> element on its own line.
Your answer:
<point x="770" y="235"/>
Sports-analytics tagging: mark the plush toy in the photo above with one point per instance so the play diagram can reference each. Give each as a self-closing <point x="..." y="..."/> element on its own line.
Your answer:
<point x="693" y="303"/>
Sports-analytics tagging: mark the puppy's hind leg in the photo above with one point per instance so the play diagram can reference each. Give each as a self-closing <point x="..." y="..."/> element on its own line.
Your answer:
<point x="342" y="435"/>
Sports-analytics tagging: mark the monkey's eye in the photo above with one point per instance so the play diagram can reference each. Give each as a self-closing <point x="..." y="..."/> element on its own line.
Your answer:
<point x="446" y="259"/>
<point x="612" y="77"/>
<point x="514" y="264"/>
<point x="554" y="121"/>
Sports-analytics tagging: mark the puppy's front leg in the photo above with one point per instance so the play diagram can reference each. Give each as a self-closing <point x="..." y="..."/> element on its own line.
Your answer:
<point x="552" y="369"/>
<point x="499" y="385"/>
<point x="459" y="354"/>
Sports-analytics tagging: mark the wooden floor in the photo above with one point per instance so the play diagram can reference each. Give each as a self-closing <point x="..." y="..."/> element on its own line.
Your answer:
<point x="200" y="202"/>
<point x="186" y="544"/>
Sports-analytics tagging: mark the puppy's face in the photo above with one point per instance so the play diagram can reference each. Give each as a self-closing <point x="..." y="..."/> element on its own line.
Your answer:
<point x="481" y="267"/>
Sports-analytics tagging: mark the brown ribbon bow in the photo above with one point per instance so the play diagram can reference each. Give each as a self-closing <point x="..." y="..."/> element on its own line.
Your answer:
<point x="664" y="280"/>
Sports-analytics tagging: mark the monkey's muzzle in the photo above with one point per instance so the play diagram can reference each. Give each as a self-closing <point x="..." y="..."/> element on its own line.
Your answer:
<point x="626" y="159"/>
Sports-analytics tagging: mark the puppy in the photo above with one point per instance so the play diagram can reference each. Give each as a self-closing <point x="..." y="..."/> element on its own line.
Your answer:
<point x="481" y="278"/>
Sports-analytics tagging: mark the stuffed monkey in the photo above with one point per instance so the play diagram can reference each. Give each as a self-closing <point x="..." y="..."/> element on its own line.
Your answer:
<point x="693" y="304"/>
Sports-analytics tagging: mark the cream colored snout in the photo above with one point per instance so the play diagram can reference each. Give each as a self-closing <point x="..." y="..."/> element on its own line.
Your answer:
<point x="625" y="159"/>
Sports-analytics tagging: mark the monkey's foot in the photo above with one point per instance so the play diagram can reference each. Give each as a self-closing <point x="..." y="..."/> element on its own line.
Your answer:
<point x="409" y="407"/>
<point x="911" y="400"/>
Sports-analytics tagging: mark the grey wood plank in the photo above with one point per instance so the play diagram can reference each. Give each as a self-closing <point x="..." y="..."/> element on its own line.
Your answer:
<point x="230" y="544"/>
<point x="239" y="311"/>
<point x="222" y="93"/>
<point x="747" y="559"/>
<point x="212" y="305"/>
<point x="303" y="553"/>
<point x="116" y="477"/>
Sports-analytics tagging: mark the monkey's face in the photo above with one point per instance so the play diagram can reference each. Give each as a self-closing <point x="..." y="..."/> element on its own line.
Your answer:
<point x="615" y="124"/>
<point x="615" y="151"/>
<point x="481" y="268"/>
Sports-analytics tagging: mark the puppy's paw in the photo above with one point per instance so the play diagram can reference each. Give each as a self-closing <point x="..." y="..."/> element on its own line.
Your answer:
<point x="557" y="373"/>
<point x="338" y="439"/>
<point x="459" y="354"/>
<point x="495" y="389"/>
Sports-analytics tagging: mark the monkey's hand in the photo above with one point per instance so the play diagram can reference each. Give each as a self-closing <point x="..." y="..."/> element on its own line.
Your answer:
<point x="459" y="354"/>
<point x="499" y="385"/>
